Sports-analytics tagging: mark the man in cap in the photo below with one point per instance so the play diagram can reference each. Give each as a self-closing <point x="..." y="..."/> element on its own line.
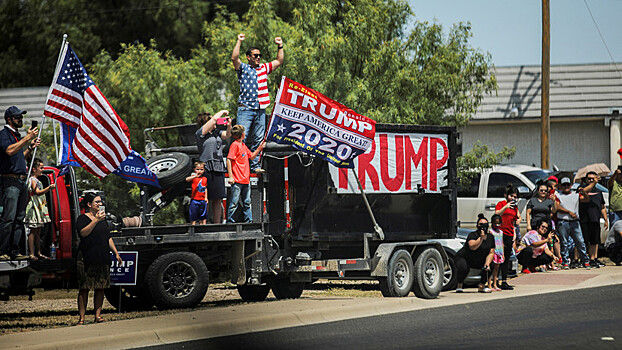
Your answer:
<point x="615" y="196"/>
<point x="13" y="192"/>
<point x="568" y="219"/>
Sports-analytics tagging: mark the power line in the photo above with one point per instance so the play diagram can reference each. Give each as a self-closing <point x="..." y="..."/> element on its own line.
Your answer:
<point x="602" y="38"/>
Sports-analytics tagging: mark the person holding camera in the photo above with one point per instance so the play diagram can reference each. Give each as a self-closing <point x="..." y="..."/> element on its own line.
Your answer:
<point x="93" y="260"/>
<point x="590" y="213"/>
<point x="13" y="189"/>
<point x="533" y="250"/>
<point x="213" y="130"/>
<point x="476" y="253"/>
<point x="510" y="217"/>
<point x="568" y="220"/>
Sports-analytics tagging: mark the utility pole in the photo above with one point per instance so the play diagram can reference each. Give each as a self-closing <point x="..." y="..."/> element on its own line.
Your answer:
<point x="546" y="72"/>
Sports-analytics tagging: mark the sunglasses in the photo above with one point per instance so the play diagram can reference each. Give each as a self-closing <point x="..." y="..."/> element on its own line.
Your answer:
<point x="543" y="190"/>
<point x="544" y="226"/>
<point x="256" y="55"/>
<point x="18" y="117"/>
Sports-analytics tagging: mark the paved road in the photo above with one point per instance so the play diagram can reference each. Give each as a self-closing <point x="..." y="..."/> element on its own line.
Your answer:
<point x="585" y="318"/>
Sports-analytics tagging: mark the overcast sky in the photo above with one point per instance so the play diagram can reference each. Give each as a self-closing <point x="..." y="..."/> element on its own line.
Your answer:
<point x="511" y="30"/>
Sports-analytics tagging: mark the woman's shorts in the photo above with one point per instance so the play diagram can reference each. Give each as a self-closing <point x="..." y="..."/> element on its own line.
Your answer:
<point x="92" y="276"/>
<point x="215" y="185"/>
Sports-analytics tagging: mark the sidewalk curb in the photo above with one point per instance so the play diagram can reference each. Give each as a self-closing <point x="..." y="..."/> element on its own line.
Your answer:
<point x="198" y="326"/>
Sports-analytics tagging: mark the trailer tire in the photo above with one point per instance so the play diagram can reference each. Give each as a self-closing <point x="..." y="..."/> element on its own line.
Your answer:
<point x="399" y="280"/>
<point x="428" y="274"/>
<point x="253" y="293"/>
<point x="450" y="277"/>
<point x="177" y="280"/>
<point x="171" y="168"/>
<point x="132" y="298"/>
<point x="284" y="289"/>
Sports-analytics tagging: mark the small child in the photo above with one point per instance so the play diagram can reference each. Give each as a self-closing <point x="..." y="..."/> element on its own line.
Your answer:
<point x="499" y="257"/>
<point x="198" y="201"/>
<point x="37" y="213"/>
<point x="238" y="165"/>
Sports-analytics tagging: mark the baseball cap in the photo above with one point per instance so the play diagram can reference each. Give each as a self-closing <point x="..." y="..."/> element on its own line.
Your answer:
<point x="565" y="180"/>
<point x="13" y="111"/>
<point x="554" y="178"/>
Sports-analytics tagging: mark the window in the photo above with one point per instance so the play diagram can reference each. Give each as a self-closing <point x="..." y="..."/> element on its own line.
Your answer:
<point x="472" y="190"/>
<point x="498" y="181"/>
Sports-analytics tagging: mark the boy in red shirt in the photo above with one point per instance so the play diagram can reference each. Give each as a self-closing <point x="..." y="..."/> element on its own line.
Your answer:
<point x="198" y="201"/>
<point x="238" y="165"/>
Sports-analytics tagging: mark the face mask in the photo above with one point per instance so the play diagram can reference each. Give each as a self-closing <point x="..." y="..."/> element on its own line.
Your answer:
<point x="483" y="227"/>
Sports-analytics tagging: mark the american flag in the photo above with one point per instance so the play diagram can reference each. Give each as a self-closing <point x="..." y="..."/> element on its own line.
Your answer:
<point x="102" y="140"/>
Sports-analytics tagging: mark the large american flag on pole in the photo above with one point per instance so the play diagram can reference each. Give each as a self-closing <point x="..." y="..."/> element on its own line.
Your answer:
<point x="102" y="140"/>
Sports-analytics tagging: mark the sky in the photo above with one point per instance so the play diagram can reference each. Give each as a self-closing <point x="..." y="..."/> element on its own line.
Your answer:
<point x="512" y="30"/>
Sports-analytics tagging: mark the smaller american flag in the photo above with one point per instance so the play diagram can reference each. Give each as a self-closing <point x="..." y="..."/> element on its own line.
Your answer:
<point x="102" y="140"/>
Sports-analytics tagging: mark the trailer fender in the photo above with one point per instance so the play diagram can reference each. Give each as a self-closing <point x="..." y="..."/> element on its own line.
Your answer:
<point x="380" y="260"/>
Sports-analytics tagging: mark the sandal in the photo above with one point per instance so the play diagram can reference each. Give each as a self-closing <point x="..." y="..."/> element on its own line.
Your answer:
<point x="99" y="320"/>
<point x="42" y="257"/>
<point x="484" y="290"/>
<point x="32" y="257"/>
<point x="80" y="323"/>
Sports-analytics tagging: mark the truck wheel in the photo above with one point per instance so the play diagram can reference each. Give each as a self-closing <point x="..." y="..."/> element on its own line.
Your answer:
<point x="171" y="168"/>
<point x="284" y="289"/>
<point x="177" y="280"/>
<point x="450" y="277"/>
<point x="132" y="298"/>
<point x="399" y="280"/>
<point x="253" y="293"/>
<point x="428" y="274"/>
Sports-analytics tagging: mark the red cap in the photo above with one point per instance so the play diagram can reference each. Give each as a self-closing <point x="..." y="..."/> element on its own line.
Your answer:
<point x="620" y="152"/>
<point x="554" y="178"/>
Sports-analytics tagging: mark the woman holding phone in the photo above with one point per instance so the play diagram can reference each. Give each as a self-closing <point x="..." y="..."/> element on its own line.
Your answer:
<point x="93" y="255"/>
<point x="533" y="250"/>
<point x="510" y="217"/>
<point x="210" y="141"/>
<point x="477" y="253"/>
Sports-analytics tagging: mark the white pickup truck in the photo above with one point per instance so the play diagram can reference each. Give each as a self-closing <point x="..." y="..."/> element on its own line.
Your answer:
<point x="487" y="189"/>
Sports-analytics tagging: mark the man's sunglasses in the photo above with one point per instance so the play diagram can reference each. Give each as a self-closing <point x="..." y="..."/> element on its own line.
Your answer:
<point x="256" y="55"/>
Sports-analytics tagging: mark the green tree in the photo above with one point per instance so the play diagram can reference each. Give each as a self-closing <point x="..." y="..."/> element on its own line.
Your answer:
<point x="479" y="158"/>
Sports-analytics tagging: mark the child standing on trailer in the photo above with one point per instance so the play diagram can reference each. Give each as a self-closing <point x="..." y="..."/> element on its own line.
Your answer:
<point x="198" y="201"/>
<point x="238" y="165"/>
<point x="36" y="211"/>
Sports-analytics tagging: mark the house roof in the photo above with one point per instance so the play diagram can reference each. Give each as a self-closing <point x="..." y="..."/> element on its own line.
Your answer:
<point x="575" y="91"/>
<point x="31" y="99"/>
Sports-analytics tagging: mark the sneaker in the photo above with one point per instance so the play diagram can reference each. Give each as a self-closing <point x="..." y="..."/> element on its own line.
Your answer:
<point x="506" y="286"/>
<point x="20" y="257"/>
<point x="459" y="290"/>
<point x="526" y="271"/>
<point x="587" y="266"/>
<point x="574" y="264"/>
<point x="594" y="264"/>
<point x="566" y="266"/>
<point x="5" y="257"/>
<point x="600" y="263"/>
<point x="259" y="171"/>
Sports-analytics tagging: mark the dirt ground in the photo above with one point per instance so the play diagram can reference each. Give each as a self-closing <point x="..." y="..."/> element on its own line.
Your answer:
<point x="58" y="307"/>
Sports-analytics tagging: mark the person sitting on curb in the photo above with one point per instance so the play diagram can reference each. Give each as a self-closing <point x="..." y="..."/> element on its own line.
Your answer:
<point x="533" y="250"/>
<point x="613" y="244"/>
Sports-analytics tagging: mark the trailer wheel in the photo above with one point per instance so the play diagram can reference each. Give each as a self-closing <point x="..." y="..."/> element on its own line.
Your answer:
<point x="450" y="276"/>
<point x="284" y="289"/>
<point x="253" y="293"/>
<point x="171" y="168"/>
<point x="177" y="280"/>
<point x="399" y="280"/>
<point x="428" y="274"/>
<point x="132" y="298"/>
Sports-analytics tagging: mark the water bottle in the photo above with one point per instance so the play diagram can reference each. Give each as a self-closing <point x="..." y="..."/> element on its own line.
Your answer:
<point x="53" y="251"/>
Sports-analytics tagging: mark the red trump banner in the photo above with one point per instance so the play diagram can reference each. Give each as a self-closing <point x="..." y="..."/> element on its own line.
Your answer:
<point x="398" y="163"/>
<point x="315" y="124"/>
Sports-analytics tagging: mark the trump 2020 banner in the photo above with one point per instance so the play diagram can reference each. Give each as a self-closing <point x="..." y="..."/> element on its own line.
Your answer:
<point x="315" y="124"/>
<point x="398" y="163"/>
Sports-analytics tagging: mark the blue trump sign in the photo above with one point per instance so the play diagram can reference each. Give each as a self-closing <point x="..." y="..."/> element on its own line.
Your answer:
<point x="124" y="273"/>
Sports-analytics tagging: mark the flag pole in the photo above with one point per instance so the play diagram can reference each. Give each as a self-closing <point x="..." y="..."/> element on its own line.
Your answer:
<point x="34" y="151"/>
